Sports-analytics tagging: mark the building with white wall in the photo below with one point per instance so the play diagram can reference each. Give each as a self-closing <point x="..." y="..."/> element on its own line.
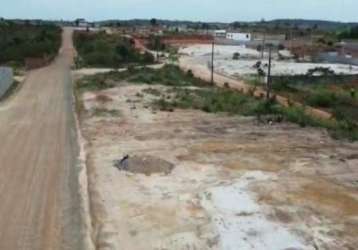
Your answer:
<point x="6" y="79"/>
<point x="220" y="33"/>
<point x="80" y="22"/>
<point x="238" y="36"/>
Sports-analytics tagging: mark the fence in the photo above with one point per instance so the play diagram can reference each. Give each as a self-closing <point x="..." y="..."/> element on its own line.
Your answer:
<point x="335" y="58"/>
<point x="6" y="79"/>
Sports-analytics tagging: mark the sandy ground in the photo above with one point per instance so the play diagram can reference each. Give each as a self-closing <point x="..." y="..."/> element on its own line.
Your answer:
<point x="39" y="200"/>
<point x="91" y="71"/>
<point x="248" y="57"/>
<point x="235" y="184"/>
<point x="78" y="73"/>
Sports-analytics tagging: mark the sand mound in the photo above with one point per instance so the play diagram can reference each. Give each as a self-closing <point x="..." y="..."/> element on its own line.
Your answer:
<point x="144" y="165"/>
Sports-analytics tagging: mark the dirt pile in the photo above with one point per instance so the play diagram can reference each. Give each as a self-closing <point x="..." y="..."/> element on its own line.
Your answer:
<point x="147" y="165"/>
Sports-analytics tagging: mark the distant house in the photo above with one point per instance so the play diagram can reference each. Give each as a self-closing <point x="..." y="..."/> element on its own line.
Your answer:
<point x="80" y="22"/>
<point x="238" y="36"/>
<point x="177" y="28"/>
<point x="220" y="33"/>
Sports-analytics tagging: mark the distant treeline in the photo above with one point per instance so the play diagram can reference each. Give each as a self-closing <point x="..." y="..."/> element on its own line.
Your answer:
<point x="351" y="33"/>
<point x="104" y="50"/>
<point x="283" y="23"/>
<point x="21" y="41"/>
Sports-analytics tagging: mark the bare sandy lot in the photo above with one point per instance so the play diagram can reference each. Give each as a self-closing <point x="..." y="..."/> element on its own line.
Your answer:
<point x="231" y="183"/>
<point x="224" y="63"/>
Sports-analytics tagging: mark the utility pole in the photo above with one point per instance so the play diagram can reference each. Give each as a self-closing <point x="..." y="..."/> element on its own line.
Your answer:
<point x="343" y="52"/>
<point x="291" y="39"/>
<point x="212" y="63"/>
<point x="263" y="46"/>
<point x="269" y="83"/>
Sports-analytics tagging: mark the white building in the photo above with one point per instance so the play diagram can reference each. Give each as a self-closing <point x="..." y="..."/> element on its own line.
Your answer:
<point x="81" y="23"/>
<point x="220" y="33"/>
<point x="237" y="36"/>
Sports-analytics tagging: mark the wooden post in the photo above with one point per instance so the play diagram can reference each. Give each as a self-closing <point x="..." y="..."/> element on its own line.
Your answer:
<point x="263" y="46"/>
<point x="212" y="63"/>
<point x="268" y="86"/>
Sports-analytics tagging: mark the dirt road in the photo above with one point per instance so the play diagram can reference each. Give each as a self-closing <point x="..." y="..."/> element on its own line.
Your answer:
<point x="39" y="201"/>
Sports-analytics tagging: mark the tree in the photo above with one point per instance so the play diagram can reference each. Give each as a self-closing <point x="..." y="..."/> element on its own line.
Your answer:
<point x="236" y="56"/>
<point x="205" y="26"/>
<point x="236" y="25"/>
<point x="148" y="58"/>
<point x="153" y="22"/>
<point x="351" y="33"/>
<point x="123" y="51"/>
<point x="155" y="43"/>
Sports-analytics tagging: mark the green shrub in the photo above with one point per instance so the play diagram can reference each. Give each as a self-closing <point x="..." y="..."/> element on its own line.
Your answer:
<point x="20" y="41"/>
<point x="322" y="98"/>
<point x="104" y="50"/>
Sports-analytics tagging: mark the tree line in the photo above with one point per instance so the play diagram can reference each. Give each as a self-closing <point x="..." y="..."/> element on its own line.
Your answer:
<point x="21" y="41"/>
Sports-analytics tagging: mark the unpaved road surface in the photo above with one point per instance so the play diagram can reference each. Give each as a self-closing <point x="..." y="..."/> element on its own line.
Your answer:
<point x="38" y="197"/>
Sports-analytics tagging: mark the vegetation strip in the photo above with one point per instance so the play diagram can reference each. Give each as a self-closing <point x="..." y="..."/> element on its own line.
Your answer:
<point x="213" y="99"/>
<point x="19" y="42"/>
<point x="108" y="50"/>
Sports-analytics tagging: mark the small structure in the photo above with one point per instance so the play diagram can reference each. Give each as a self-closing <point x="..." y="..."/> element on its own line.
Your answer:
<point x="220" y="33"/>
<point x="81" y="22"/>
<point x="238" y="36"/>
<point x="6" y="79"/>
<point x="178" y="28"/>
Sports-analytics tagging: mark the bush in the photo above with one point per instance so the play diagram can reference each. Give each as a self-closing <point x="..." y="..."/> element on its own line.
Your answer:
<point x="103" y="50"/>
<point x="155" y="43"/>
<point x="323" y="99"/>
<point x="190" y="73"/>
<point x="148" y="58"/>
<point x="351" y="33"/>
<point x="320" y="71"/>
<point x="18" y="42"/>
<point x="236" y="56"/>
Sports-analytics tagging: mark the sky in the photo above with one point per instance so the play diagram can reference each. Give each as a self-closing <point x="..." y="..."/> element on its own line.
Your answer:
<point x="195" y="10"/>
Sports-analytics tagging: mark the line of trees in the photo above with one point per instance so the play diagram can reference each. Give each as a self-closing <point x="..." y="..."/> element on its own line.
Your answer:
<point x="104" y="50"/>
<point x="351" y="33"/>
<point x="21" y="41"/>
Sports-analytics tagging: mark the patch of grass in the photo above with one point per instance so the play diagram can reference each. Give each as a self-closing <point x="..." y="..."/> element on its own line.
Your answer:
<point x="254" y="80"/>
<point x="333" y="93"/>
<point x="94" y="83"/>
<point x="214" y="100"/>
<point x="169" y="75"/>
<point x="152" y="91"/>
<point x="108" y="50"/>
<point x="322" y="98"/>
<point x="309" y="80"/>
<point x="104" y="112"/>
